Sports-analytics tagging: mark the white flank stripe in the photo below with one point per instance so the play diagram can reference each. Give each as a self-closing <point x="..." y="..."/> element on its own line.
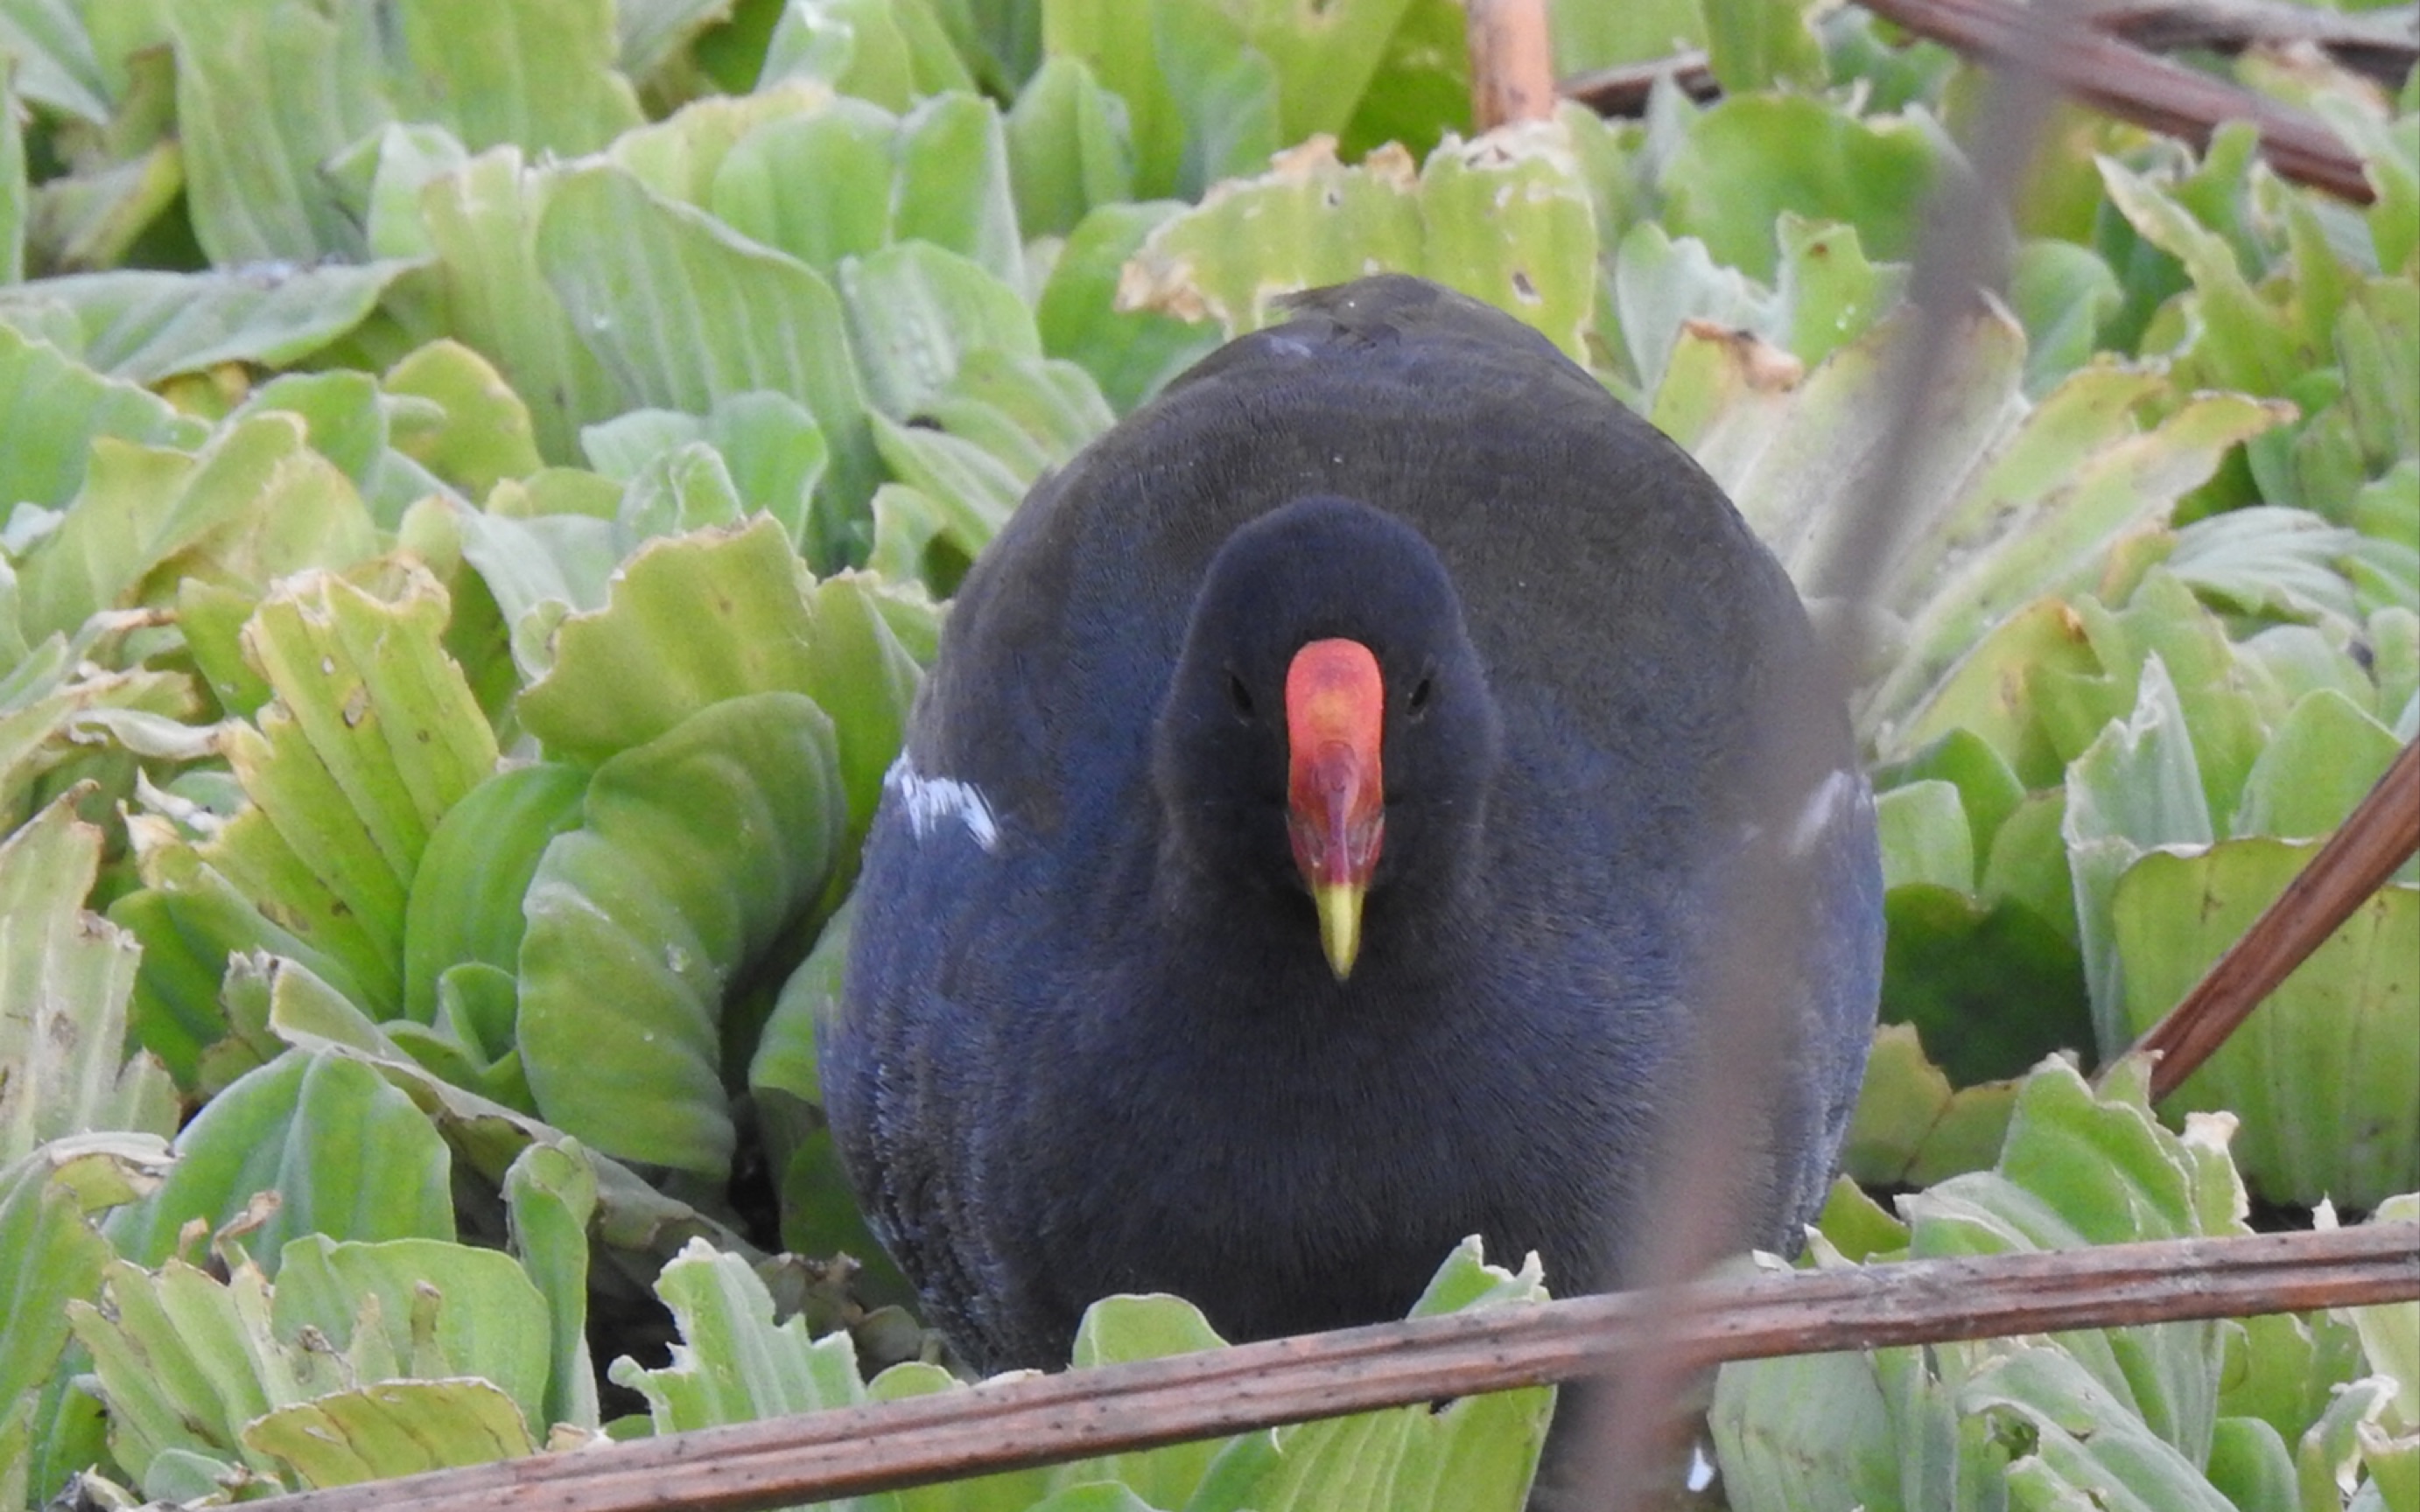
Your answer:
<point x="931" y="800"/>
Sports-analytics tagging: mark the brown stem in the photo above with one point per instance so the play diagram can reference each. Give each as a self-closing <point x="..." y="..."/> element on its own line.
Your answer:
<point x="2380" y="44"/>
<point x="1511" y="62"/>
<point x="2378" y="836"/>
<point x="1049" y="1419"/>
<point x="1623" y="91"/>
<point x="2126" y="82"/>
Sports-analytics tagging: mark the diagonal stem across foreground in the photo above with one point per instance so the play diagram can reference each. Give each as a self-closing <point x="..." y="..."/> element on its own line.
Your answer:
<point x="2379" y="837"/>
<point x="1049" y="1419"/>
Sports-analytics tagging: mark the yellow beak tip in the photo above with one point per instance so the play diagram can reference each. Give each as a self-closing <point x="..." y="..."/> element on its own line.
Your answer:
<point x="1340" y="924"/>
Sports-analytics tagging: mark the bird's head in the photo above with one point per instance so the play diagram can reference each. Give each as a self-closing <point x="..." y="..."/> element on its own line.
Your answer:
<point x="1328" y="730"/>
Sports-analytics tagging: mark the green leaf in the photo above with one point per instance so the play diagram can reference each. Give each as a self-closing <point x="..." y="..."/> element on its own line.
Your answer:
<point x="2006" y="503"/>
<point x="1118" y="1331"/>
<point x="50" y="1250"/>
<point x="2125" y="1418"/>
<point x="2061" y="294"/>
<point x="2390" y="1332"/>
<point x="97" y="219"/>
<point x="147" y="325"/>
<point x="465" y="904"/>
<point x="680" y="157"/>
<point x="1988" y="792"/>
<point x="253" y="154"/>
<point x="1421" y="93"/>
<point x="888" y="52"/>
<point x="2284" y="1370"/>
<point x="15" y="191"/>
<point x="1807" y="1430"/>
<point x="384" y="177"/>
<point x="654" y="33"/>
<point x="1129" y="353"/>
<point x="203" y="1377"/>
<point x="1911" y="1126"/>
<point x="1600" y="37"/>
<point x="256" y="503"/>
<point x="954" y="186"/>
<point x="1068" y="149"/>
<point x="489" y="292"/>
<point x="538" y="74"/>
<point x="770" y="451"/>
<point x="53" y="407"/>
<point x="551" y="1197"/>
<point x="551" y="546"/>
<point x="736" y="1365"/>
<point x="65" y="978"/>
<point x="1828" y="293"/>
<point x="632" y="673"/>
<point x="2088" y="1445"/>
<point x="2250" y="1465"/>
<point x="488" y="1136"/>
<point x="1992" y="987"/>
<point x="699" y="849"/>
<point x="481" y="434"/>
<point x="1322" y="59"/>
<point x="915" y="311"/>
<point x="442" y="1309"/>
<point x="394" y="1427"/>
<point x="818" y="186"/>
<point x="684" y="314"/>
<point x="343" y="417"/>
<point x="1506" y="220"/>
<point x="184" y="1361"/>
<point x="1751" y="157"/>
<point x="2320" y="763"/>
<point x="2317" y="1074"/>
<point x="1763" y="45"/>
<point x="2327" y="1461"/>
<point x="1509" y="221"/>
<point x="373" y="736"/>
<point x="819" y="1211"/>
<point x="2139" y="786"/>
<point x="1225" y="92"/>
<point x="1478" y="1453"/>
<point x="348" y="1156"/>
<point x="2275" y="561"/>
<point x="53" y="56"/>
<point x="1115" y="41"/>
<point x="1926" y="839"/>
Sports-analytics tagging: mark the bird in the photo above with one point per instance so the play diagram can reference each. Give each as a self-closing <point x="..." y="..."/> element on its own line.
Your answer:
<point x="1310" y="841"/>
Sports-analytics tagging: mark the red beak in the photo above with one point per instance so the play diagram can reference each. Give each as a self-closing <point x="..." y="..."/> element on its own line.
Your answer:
<point x="1336" y="706"/>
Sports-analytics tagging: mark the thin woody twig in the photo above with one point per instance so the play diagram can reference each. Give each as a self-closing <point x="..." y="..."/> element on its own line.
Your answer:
<point x="1050" y="1419"/>
<point x="1623" y="91"/>
<point x="2123" y="80"/>
<point x="1511" y="62"/>
<point x="2378" y="837"/>
<point x="2382" y="45"/>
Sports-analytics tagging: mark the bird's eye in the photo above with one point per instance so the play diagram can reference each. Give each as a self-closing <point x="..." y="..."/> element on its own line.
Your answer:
<point x="1422" y="692"/>
<point x="1239" y="696"/>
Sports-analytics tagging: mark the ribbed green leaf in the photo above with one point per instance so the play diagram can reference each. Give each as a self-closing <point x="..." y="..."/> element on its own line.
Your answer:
<point x="699" y="849"/>
<point x="683" y="313"/>
<point x="146" y="326"/>
<point x="347" y="1155"/>
<point x="396" y="1428"/>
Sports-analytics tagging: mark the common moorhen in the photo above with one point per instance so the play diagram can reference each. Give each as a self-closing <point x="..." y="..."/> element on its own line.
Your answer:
<point x="1307" y="840"/>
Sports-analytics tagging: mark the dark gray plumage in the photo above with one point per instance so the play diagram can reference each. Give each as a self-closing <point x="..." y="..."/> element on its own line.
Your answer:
<point x="1088" y="1043"/>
